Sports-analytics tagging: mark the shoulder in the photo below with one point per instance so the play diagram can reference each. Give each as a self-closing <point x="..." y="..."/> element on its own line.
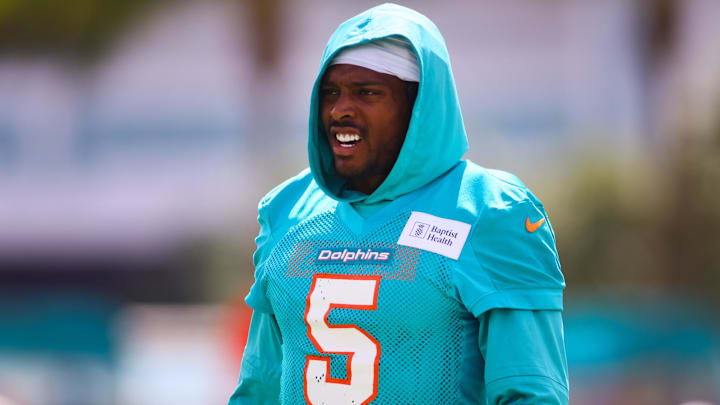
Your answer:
<point x="501" y="201"/>
<point x="478" y="192"/>
<point x="291" y="187"/>
<point x="474" y="194"/>
<point x="511" y="241"/>
<point x="293" y="200"/>
<point x="494" y="188"/>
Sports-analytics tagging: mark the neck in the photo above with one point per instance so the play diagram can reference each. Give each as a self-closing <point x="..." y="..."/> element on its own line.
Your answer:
<point x="366" y="185"/>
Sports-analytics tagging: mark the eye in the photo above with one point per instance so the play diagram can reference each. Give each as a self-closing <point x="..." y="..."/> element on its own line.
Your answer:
<point x="329" y="91"/>
<point x="368" y="92"/>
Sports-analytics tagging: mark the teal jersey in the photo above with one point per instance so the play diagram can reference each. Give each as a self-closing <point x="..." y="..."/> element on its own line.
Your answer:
<point x="443" y="286"/>
<point x="411" y="335"/>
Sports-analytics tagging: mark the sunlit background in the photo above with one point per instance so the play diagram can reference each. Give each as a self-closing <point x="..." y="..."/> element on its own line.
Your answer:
<point x="136" y="138"/>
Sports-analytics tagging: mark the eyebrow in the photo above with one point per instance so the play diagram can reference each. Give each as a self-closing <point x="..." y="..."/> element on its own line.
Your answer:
<point x="357" y="84"/>
<point x="368" y="83"/>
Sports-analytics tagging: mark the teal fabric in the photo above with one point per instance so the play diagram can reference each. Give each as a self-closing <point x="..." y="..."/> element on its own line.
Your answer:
<point x="260" y="373"/>
<point x="436" y="138"/>
<point x="502" y="266"/>
<point x="80" y="324"/>
<point x="518" y="369"/>
<point x="507" y="281"/>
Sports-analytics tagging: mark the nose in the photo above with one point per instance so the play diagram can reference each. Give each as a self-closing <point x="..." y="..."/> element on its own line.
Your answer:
<point x="343" y="107"/>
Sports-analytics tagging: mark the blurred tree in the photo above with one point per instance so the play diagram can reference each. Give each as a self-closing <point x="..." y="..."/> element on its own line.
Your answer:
<point x="648" y="225"/>
<point x="606" y="231"/>
<point x="266" y="31"/>
<point x="76" y="28"/>
<point x="657" y="31"/>
<point x="659" y="27"/>
<point x="82" y="29"/>
<point x="691" y="230"/>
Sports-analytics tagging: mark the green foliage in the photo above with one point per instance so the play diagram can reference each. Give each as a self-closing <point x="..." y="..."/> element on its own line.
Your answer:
<point x="646" y="226"/>
<point x="78" y="28"/>
<point x="606" y="231"/>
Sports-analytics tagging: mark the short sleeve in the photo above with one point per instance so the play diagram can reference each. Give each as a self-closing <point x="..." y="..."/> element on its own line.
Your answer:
<point x="517" y="265"/>
<point x="256" y="298"/>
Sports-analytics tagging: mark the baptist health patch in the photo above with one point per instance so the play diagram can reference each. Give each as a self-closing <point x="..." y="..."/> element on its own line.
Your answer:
<point x="438" y="235"/>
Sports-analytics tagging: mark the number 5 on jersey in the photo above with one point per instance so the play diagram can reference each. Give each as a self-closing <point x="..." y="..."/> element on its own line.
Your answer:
<point x="327" y="292"/>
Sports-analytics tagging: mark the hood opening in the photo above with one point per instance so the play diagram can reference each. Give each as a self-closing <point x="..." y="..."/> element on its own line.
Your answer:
<point x="435" y="140"/>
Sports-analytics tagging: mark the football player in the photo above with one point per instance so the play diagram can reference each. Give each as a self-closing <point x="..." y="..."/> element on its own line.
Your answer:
<point x="392" y="271"/>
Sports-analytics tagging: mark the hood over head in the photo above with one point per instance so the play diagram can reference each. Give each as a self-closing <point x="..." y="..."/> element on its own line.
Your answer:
<point x="435" y="140"/>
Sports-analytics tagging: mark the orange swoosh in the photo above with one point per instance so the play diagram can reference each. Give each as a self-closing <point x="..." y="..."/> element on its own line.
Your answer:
<point x="532" y="227"/>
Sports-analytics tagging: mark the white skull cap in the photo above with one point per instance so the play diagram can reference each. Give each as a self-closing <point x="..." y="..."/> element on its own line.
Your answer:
<point x="391" y="55"/>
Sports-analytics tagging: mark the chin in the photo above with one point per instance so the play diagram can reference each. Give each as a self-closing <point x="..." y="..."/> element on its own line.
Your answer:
<point x="347" y="171"/>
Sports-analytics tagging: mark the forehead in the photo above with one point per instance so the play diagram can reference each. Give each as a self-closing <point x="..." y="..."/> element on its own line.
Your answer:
<point x="343" y="74"/>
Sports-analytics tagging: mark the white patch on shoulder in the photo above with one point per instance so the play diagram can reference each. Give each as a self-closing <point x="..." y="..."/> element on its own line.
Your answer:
<point x="438" y="235"/>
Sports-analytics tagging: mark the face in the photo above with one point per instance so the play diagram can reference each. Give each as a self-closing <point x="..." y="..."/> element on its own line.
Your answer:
<point x="365" y="115"/>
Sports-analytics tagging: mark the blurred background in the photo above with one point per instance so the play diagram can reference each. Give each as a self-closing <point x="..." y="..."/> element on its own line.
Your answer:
<point x="136" y="138"/>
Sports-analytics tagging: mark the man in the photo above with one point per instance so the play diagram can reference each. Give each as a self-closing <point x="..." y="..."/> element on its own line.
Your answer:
<point x="392" y="271"/>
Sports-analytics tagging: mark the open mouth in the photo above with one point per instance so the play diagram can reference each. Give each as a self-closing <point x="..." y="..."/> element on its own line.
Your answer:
<point x="347" y="140"/>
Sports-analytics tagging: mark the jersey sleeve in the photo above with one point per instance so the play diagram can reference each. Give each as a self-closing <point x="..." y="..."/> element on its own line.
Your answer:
<point x="525" y="361"/>
<point x="256" y="298"/>
<point x="516" y="262"/>
<point x="259" y="382"/>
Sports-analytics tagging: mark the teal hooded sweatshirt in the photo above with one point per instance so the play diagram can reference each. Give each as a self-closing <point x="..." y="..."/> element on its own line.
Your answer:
<point x="442" y="286"/>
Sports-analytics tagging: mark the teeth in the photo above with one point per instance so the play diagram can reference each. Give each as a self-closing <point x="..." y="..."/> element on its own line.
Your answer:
<point x="347" y="137"/>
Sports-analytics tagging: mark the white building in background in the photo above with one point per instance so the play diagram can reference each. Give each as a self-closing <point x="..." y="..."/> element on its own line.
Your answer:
<point x="174" y="135"/>
<point x="139" y="152"/>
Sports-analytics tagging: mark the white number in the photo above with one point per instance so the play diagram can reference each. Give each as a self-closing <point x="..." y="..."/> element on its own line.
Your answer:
<point x="329" y="291"/>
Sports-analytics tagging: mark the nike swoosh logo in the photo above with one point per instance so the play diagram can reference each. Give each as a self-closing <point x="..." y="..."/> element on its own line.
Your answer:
<point x="533" y="226"/>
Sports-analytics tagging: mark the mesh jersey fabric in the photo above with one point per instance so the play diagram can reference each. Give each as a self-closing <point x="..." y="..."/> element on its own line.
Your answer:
<point x="428" y="304"/>
<point x="418" y="322"/>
